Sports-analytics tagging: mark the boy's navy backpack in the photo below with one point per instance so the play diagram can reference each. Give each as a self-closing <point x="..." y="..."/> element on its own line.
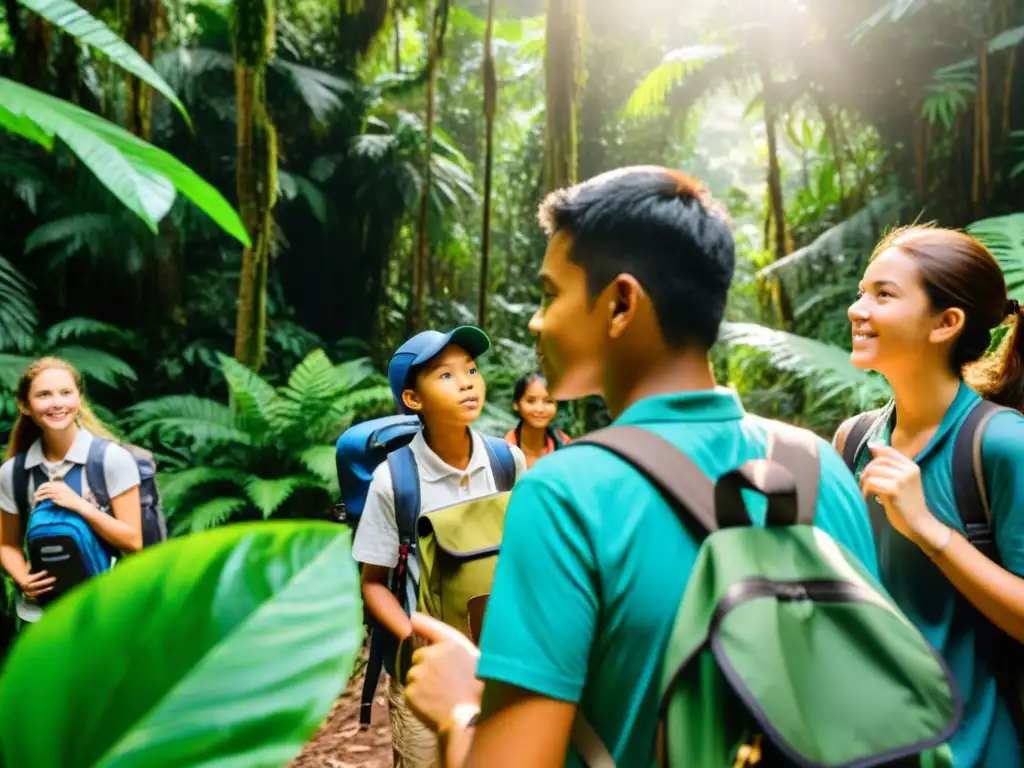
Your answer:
<point x="360" y="450"/>
<point x="62" y="542"/>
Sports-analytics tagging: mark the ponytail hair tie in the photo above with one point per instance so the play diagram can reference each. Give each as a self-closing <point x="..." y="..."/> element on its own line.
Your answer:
<point x="1012" y="307"/>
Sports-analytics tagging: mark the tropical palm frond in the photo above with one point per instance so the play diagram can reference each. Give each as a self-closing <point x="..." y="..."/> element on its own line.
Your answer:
<point x="70" y="234"/>
<point x="321" y="91"/>
<point x="11" y="368"/>
<point x="210" y="514"/>
<point x="1004" y="237"/>
<point x="184" y="68"/>
<point x="292" y="186"/>
<point x="673" y="69"/>
<point x="97" y="365"/>
<point x="269" y="495"/>
<point x="85" y="329"/>
<point x="826" y="368"/>
<point x="948" y="93"/>
<point x="19" y="318"/>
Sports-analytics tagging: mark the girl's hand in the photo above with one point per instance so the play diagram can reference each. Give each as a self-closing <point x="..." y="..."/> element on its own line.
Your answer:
<point x="61" y="494"/>
<point x="37" y="584"/>
<point x="896" y="481"/>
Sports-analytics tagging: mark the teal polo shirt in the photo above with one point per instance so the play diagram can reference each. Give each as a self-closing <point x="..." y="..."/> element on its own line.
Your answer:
<point x="986" y="738"/>
<point x="594" y="563"/>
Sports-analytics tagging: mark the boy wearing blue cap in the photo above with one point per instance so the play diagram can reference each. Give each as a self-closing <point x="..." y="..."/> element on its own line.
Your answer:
<point x="433" y="375"/>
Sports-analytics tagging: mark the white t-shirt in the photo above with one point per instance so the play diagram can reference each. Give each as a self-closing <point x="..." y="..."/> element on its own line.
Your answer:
<point x="441" y="485"/>
<point x="119" y="470"/>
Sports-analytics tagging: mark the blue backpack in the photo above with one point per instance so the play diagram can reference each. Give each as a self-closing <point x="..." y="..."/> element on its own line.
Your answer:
<point x="360" y="450"/>
<point x="62" y="542"/>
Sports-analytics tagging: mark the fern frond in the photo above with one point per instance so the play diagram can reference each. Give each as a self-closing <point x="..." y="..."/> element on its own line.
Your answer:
<point x="251" y="395"/>
<point x="210" y="514"/>
<point x="321" y="460"/>
<point x="826" y="368"/>
<point x="268" y="495"/>
<point x="197" y="420"/>
<point x="177" y="487"/>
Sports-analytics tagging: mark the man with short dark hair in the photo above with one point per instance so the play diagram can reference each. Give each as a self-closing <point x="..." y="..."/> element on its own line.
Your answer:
<point x="594" y="561"/>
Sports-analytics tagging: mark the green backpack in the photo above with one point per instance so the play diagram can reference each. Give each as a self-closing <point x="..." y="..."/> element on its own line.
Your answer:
<point x="785" y="651"/>
<point x="458" y="548"/>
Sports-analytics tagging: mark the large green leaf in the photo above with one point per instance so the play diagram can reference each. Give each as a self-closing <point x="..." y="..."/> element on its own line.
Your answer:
<point x="1004" y="237"/>
<point x="141" y="176"/>
<point x="78" y="23"/>
<point x="825" y="367"/>
<point x="252" y="398"/>
<point x="221" y="649"/>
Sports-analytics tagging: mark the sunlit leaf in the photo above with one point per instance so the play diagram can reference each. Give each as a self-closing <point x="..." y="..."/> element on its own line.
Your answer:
<point x="78" y="23"/>
<point x="141" y="176"/>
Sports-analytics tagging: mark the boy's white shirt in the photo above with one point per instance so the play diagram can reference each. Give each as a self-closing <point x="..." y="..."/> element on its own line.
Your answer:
<point x="441" y="485"/>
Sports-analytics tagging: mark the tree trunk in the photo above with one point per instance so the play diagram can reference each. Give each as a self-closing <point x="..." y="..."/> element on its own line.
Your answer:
<point x="434" y="53"/>
<point x="140" y="26"/>
<point x="984" y="123"/>
<point x="562" y="57"/>
<point x="778" y="211"/>
<point x="490" y="104"/>
<point x="253" y="42"/>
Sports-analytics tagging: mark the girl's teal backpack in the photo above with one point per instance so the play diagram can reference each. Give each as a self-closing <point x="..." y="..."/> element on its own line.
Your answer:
<point x="785" y="651"/>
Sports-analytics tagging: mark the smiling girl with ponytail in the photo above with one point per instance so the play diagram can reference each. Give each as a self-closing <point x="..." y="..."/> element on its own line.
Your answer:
<point x="929" y="301"/>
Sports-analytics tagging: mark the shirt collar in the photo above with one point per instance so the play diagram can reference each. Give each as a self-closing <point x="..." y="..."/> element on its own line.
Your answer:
<point x="718" y="404"/>
<point x="962" y="404"/>
<point x="78" y="453"/>
<point x="433" y="468"/>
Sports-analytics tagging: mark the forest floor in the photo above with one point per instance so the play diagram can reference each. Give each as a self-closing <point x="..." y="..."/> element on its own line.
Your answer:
<point x="341" y="742"/>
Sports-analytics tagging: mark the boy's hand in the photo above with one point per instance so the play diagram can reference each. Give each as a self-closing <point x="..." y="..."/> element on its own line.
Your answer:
<point x="443" y="674"/>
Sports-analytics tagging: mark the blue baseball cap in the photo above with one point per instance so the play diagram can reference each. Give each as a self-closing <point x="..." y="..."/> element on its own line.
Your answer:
<point x="424" y="347"/>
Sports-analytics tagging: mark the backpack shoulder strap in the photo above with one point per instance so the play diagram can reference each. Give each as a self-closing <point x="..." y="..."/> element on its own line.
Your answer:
<point x="503" y="463"/>
<point x="405" y="482"/>
<point x="94" y="473"/>
<point x="673" y="472"/>
<point x="969" y="488"/>
<point x="19" y="485"/>
<point x="854" y="441"/>
<point x="798" y="451"/>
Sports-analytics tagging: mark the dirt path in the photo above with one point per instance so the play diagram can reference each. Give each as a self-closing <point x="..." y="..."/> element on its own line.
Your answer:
<point x="342" y="743"/>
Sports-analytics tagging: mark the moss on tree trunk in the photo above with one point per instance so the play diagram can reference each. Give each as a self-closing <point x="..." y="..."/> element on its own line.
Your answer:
<point x="253" y="41"/>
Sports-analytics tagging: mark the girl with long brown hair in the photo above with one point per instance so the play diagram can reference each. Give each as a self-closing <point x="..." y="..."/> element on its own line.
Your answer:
<point x="54" y="432"/>
<point x="928" y="302"/>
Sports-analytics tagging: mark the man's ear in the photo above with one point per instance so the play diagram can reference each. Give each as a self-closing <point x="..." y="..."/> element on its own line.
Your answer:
<point x="624" y="300"/>
<point x="412" y="401"/>
<point x="950" y="325"/>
